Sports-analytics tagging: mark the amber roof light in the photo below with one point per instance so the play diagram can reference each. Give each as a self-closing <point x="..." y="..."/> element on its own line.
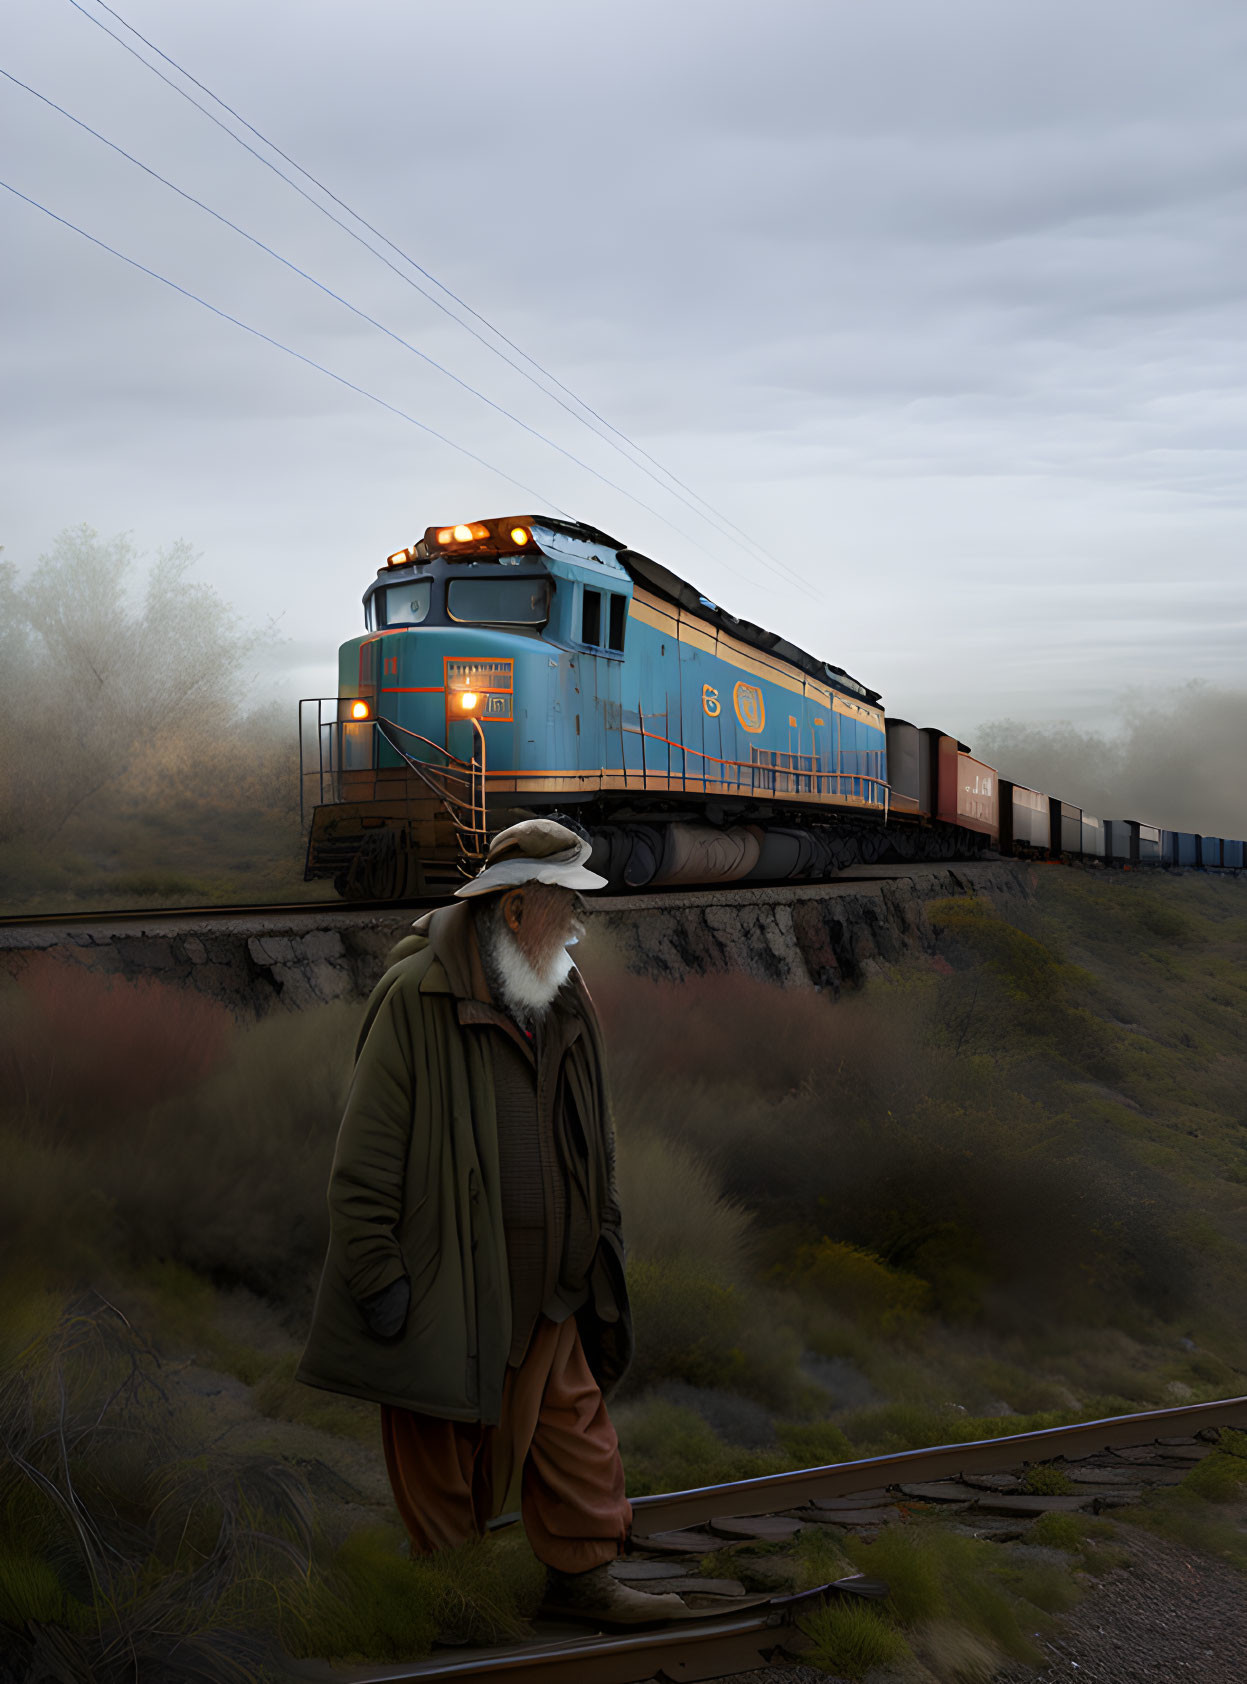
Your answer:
<point x="482" y="538"/>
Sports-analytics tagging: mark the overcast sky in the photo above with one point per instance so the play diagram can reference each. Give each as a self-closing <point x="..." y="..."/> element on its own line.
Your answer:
<point x="943" y="304"/>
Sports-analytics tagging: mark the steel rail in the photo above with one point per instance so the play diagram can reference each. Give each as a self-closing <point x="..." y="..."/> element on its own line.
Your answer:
<point x="164" y="914"/>
<point x="773" y="1493"/>
<point x="718" y="1646"/>
<point x="701" y="1648"/>
<point x="609" y="902"/>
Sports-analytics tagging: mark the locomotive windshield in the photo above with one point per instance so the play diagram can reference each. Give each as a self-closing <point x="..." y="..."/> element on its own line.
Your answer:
<point x="407" y="605"/>
<point x="508" y="602"/>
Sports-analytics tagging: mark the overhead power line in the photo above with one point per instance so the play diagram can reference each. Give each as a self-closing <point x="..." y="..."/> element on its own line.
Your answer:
<point x="268" y="338"/>
<point x="700" y="505"/>
<point x="346" y="303"/>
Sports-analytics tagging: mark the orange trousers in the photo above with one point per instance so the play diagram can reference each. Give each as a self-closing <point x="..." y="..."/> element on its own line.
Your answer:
<point x="450" y="1477"/>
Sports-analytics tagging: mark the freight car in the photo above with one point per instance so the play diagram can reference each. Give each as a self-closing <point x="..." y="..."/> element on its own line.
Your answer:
<point x="529" y="665"/>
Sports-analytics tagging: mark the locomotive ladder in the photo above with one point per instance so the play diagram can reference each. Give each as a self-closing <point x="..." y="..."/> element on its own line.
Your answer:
<point x="468" y="816"/>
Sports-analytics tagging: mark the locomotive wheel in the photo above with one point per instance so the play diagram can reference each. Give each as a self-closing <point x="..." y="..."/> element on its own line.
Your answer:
<point x="385" y="868"/>
<point x="870" y="848"/>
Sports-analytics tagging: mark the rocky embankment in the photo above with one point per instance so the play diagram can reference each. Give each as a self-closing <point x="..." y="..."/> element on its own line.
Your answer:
<point x="826" y="935"/>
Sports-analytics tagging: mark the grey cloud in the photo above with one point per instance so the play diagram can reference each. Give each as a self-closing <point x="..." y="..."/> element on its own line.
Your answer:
<point x="925" y="297"/>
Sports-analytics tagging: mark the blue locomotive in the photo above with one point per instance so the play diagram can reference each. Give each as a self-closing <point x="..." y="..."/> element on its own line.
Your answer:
<point x="531" y="665"/>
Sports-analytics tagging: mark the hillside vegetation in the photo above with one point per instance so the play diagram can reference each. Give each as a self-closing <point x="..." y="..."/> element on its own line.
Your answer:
<point x="1000" y="1189"/>
<point x="136" y="764"/>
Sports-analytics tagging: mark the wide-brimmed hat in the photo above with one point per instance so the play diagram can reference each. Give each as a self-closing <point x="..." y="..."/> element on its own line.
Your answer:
<point x="535" y="851"/>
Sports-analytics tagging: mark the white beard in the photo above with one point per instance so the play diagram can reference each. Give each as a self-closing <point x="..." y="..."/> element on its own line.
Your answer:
<point x="527" y="992"/>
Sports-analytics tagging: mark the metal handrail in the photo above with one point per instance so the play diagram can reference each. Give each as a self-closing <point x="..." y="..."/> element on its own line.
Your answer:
<point x="427" y="774"/>
<point x="470" y="816"/>
<point x="474" y="835"/>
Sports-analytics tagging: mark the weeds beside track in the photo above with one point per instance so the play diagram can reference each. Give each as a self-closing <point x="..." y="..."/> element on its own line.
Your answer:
<point x="772" y="1630"/>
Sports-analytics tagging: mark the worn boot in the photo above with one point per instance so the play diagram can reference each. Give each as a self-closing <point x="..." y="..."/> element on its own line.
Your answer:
<point x="597" y="1595"/>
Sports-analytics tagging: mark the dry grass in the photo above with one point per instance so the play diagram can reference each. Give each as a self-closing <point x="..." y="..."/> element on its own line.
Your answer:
<point x="868" y="1125"/>
<point x="676" y="1207"/>
<point x="912" y="1185"/>
<point x="132" y="1550"/>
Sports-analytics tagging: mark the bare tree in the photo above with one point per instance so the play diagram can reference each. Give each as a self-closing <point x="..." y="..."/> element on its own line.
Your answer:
<point x="94" y="674"/>
<point x="1178" y="759"/>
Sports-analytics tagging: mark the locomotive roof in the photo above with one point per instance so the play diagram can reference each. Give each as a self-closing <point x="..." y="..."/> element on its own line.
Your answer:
<point x="655" y="577"/>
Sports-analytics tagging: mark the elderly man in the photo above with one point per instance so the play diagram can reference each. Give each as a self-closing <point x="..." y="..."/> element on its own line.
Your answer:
<point x="474" y="1285"/>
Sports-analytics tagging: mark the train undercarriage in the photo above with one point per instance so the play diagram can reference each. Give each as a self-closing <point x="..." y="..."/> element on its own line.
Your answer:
<point x="422" y="827"/>
<point x="413" y="844"/>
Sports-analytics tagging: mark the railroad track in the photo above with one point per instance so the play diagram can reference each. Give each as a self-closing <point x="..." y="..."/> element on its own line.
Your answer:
<point x="1109" y="1464"/>
<point x="348" y="908"/>
<point x="171" y="914"/>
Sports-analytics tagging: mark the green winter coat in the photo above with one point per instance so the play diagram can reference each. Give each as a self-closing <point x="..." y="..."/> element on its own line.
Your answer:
<point x="414" y="1190"/>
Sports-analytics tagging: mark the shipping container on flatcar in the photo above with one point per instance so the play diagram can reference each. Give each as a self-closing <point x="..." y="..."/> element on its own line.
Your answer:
<point x="1064" y="828"/>
<point x="1146" y="843"/>
<point x="965" y="791"/>
<point x="1025" y="824"/>
<point x="1179" y="848"/>
<point x="1133" y="843"/>
<point x="1094" y="838"/>
<point x="1210" y="852"/>
<point x="905" y="775"/>
<point x="1232" y="854"/>
<point x="1117" y="841"/>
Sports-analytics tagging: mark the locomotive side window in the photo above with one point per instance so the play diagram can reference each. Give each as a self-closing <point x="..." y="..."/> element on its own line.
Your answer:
<point x="618" y="619"/>
<point x="407" y="605"/>
<point x="591" y="619"/>
<point x="508" y="602"/>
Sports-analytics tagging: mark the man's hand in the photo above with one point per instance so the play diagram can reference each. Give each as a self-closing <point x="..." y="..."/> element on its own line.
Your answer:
<point x="386" y="1311"/>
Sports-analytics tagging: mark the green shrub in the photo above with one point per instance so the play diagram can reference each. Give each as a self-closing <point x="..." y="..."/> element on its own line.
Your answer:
<point x="1080" y="1535"/>
<point x="163" y="1136"/>
<point x="280" y="1395"/>
<point x="850" y="1637"/>
<point x="935" y="1574"/>
<point x="135" y="1554"/>
<point x="31" y="1591"/>
<point x="1194" y="1521"/>
<point x="183" y="1309"/>
<point x="668" y="1448"/>
<point x="372" y="1603"/>
<point x="1059" y="1531"/>
<point x="230" y="1181"/>
<point x="955" y="1655"/>
<point x="81" y="1051"/>
<point x="1219" y="1478"/>
<point x="688" y="1324"/>
<point x="166" y="888"/>
<point x="859" y="1284"/>
<point x="813" y="1444"/>
<point x="56" y="1225"/>
<point x="820" y="1556"/>
<point x="960" y="1186"/>
<point x="888" y="1427"/>
<point x="1044" y="1480"/>
<point x="694" y="1326"/>
<point x="1045" y="1585"/>
<point x="674" y="1207"/>
<point x="369" y="1605"/>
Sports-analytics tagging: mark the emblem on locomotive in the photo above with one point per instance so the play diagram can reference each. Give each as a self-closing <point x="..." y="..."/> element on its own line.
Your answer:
<point x="750" y="707"/>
